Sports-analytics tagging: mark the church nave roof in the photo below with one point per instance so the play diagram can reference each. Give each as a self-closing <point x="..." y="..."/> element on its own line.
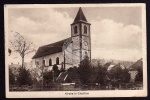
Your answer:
<point x="49" y="49"/>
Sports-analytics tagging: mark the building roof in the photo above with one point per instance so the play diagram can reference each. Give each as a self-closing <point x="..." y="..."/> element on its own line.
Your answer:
<point x="61" y="78"/>
<point x="137" y="65"/>
<point x="49" y="49"/>
<point x="110" y="67"/>
<point x="14" y="65"/>
<point x="80" y="16"/>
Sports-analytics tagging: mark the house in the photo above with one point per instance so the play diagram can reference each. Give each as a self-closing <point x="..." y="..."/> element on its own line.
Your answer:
<point x="133" y="70"/>
<point x="110" y="67"/>
<point x="14" y="68"/>
<point x="51" y="54"/>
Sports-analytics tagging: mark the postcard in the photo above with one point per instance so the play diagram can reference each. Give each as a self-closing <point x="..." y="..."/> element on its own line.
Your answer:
<point x="75" y="50"/>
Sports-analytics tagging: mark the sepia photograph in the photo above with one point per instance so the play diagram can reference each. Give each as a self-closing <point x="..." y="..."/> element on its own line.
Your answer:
<point x="75" y="50"/>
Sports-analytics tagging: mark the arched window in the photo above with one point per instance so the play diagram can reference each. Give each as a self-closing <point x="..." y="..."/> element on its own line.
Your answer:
<point x="57" y="60"/>
<point x="37" y="63"/>
<point x="75" y="29"/>
<point x="50" y="62"/>
<point x="43" y="62"/>
<point x="85" y="29"/>
<point x="86" y="54"/>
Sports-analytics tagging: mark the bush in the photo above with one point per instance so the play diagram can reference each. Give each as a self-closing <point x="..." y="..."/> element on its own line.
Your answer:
<point x="139" y="76"/>
<point x="48" y="77"/>
<point x="24" y="77"/>
<point x="11" y="77"/>
<point x="85" y="71"/>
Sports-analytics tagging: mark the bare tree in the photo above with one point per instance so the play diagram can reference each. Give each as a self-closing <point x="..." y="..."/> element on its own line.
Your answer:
<point x="22" y="46"/>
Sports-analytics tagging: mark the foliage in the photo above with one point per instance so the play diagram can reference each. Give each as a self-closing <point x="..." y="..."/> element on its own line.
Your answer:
<point x="73" y="73"/>
<point x="115" y="72"/>
<point x="85" y="71"/>
<point x="56" y="70"/>
<point x="11" y="77"/>
<point x="48" y="77"/>
<point x="105" y="66"/>
<point x="24" y="77"/>
<point x="125" y="76"/>
<point x="139" y="76"/>
<point x="101" y="75"/>
<point x="119" y="74"/>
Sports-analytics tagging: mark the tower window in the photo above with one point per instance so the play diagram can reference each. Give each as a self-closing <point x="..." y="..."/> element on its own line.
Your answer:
<point x="85" y="29"/>
<point x="50" y="62"/>
<point x="57" y="60"/>
<point x="75" y="29"/>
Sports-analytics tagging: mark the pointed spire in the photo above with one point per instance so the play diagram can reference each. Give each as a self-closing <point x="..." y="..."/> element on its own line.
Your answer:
<point x="80" y="16"/>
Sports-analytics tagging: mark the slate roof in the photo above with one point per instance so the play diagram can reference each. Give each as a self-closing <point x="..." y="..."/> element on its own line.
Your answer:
<point x="80" y="16"/>
<point x="49" y="49"/>
<point x="62" y="76"/>
<point x="137" y="65"/>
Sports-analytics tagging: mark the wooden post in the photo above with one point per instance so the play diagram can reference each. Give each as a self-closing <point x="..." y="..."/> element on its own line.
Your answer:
<point x="64" y="61"/>
<point x="42" y="73"/>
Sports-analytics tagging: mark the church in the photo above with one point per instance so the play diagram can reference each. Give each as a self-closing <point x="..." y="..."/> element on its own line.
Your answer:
<point x="53" y="54"/>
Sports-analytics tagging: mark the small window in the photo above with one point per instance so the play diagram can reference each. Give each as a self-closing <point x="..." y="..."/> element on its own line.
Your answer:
<point x="85" y="29"/>
<point x="37" y="62"/>
<point x="43" y="62"/>
<point x="57" y="60"/>
<point x="50" y="62"/>
<point x="86" y="54"/>
<point x="75" y="29"/>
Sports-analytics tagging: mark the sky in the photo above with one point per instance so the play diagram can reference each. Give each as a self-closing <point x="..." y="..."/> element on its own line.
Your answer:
<point x="116" y="32"/>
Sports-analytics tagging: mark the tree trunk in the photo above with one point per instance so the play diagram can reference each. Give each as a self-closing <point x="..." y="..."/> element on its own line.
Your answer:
<point x="22" y="61"/>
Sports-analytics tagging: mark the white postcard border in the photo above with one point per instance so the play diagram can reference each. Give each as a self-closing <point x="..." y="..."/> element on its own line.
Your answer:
<point x="76" y="94"/>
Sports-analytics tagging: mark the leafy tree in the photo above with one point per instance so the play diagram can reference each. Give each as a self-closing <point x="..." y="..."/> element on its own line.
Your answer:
<point x="11" y="77"/>
<point x="34" y="75"/>
<point x="56" y="70"/>
<point x="73" y="73"/>
<point x="101" y="75"/>
<point x="139" y="76"/>
<point x="125" y="76"/>
<point x="115" y="72"/>
<point x="93" y="74"/>
<point x="48" y="77"/>
<point x="105" y="67"/>
<point x="119" y="74"/>
<point x="24" y="77"/>
<point x="85" y="71"/>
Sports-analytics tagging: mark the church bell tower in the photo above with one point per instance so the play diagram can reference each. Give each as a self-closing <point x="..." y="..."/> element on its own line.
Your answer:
<point x="81" y="37"/>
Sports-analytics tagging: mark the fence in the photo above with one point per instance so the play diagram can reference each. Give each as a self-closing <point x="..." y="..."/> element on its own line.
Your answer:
<point x="60" y="87"/>
<point x="131" y="86"/>
<point x="52" y="87"/>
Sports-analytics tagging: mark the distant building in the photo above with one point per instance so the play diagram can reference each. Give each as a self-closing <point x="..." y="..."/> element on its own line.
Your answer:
<point x="110" y="67"/>
<point x="133" y="74"/>
<point x="51" y="54"/>
<point x="133" y="70"/>
<point x="14" y="68"/>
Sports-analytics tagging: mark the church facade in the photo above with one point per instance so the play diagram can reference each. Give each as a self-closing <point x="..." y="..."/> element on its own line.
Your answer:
<point x="51" y="54"/>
